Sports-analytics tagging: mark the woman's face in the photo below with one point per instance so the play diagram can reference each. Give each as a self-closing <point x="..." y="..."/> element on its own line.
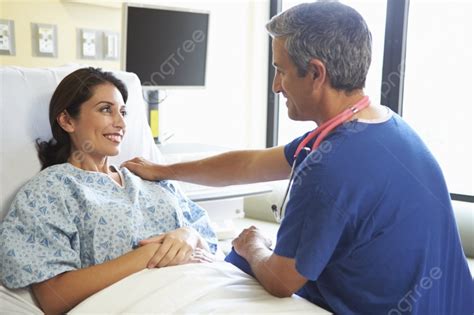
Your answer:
<point x="100" y="127"/>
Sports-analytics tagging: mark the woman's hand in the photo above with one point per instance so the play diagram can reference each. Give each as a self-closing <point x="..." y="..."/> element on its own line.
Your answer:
<point x="201" y="256"/>
<point x="177" y="247"/>
<point x="147" y="170"/>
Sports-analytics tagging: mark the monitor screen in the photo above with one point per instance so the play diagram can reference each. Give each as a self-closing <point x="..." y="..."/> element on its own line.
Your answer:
<point x="166" y="47"/>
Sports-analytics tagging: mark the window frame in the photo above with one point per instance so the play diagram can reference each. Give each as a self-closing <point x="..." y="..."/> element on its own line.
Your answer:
<point x="273" y="100"/>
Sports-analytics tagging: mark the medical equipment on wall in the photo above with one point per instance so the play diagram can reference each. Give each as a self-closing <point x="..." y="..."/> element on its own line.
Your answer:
<point x="151" y="98"/>
<point x="318" y="134"/>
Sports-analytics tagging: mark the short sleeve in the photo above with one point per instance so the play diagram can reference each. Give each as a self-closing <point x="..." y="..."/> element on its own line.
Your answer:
<point x="37" y="239"/>
<point x="195" y="217"/>
<point x="311" y="229"/>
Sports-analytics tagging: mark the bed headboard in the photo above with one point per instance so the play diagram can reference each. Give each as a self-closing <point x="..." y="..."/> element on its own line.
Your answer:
<point x="24" y="103"/>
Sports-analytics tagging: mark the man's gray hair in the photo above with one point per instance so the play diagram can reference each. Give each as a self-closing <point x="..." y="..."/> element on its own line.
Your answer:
<point x="332" y="32"/>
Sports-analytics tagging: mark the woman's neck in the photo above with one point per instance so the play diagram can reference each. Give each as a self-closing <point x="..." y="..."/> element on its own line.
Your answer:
<point x="88" y="163"/>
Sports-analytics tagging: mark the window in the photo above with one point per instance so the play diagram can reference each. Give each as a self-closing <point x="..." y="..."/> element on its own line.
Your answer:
<point x="438" y="100"/>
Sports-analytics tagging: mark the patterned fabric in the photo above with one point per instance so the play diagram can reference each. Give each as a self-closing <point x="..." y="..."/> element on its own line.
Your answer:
<point x="66" y="218"/>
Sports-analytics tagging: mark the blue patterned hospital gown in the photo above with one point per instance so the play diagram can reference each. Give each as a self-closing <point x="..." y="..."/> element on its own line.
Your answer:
<point x="66" y="218"/>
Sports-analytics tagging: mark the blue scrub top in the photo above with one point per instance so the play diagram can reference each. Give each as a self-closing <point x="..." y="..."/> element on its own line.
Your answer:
<point x="370" y="224"/>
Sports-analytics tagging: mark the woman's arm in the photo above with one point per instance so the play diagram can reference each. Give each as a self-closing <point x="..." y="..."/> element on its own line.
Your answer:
<point x="63" y="292"/>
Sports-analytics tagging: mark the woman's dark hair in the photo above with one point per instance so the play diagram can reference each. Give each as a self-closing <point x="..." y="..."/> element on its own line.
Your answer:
<point x="71" y="93"/>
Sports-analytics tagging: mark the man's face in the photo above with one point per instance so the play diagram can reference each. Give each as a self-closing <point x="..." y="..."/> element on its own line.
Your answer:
<point x="297" y="90"/>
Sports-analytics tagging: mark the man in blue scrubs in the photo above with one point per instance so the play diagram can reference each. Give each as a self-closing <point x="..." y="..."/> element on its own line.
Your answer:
<point x="369" y="226"/>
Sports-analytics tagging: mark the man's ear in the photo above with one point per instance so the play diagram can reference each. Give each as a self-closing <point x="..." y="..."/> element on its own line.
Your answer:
<point x="65" y="121"/>
<point x="317" y="71"/>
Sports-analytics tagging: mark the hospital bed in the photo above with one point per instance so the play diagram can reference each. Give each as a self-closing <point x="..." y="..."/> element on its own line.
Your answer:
<point x="195" y="288"/>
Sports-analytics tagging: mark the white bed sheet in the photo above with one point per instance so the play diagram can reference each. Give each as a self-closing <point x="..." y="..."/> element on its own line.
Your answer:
<point x="19" y="301"/>
<point x="211" y="288"/>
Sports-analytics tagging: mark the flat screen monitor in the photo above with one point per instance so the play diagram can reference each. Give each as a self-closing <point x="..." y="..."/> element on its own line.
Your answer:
<point x="165" y="47"/>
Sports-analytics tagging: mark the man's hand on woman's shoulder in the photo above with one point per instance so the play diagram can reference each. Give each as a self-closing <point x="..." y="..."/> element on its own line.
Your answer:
<point x="146" y="169"/>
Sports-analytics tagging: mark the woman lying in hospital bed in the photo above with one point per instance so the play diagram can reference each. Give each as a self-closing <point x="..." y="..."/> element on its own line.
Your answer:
<point x="81" y="224"/>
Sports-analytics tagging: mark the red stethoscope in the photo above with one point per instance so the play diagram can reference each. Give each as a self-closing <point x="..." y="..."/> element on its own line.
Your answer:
<point x="319" y="134"/>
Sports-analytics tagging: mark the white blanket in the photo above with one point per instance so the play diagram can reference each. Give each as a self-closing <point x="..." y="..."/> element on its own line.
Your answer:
<point x="20" y="301"/>
<point x="217" y="288"/>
